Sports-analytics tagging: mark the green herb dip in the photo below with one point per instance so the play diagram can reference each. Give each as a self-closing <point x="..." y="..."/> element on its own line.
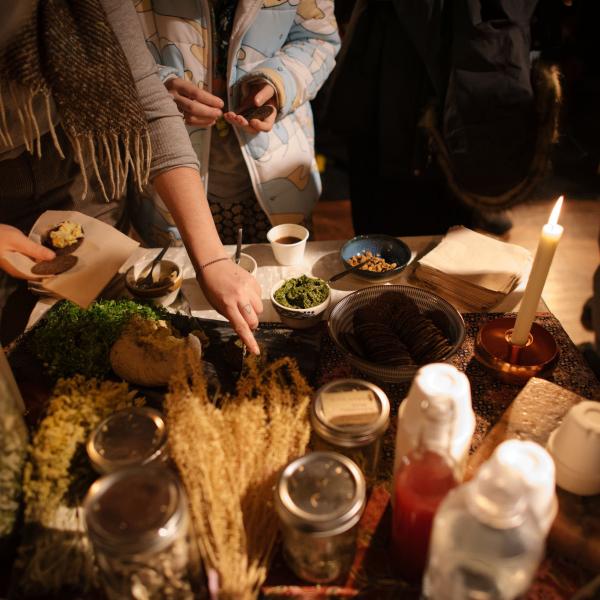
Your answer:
<point x="302" y="292"/>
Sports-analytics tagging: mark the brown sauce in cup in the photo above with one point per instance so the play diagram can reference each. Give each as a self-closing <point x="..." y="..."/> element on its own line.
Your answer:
<point x="288" y="239"/>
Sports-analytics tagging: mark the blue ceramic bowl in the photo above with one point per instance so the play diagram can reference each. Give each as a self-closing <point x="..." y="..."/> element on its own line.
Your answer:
<point x="391" y="249"/>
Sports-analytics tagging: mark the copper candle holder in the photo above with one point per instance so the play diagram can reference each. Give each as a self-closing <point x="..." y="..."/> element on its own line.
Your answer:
<point x="511" y="363"/>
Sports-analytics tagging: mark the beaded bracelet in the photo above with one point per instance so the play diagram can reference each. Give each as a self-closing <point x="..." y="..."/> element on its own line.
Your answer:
<point x="212" y="262"/>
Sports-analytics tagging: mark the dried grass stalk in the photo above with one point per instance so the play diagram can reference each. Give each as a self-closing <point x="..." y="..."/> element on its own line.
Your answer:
<point x="229" y="458"/>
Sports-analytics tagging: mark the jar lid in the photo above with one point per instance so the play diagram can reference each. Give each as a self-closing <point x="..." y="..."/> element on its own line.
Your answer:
<point x="130" y="437"/>
<point x="321" y="492"/>
<point x="138" y="509"/>
<point x="350" y="412"/>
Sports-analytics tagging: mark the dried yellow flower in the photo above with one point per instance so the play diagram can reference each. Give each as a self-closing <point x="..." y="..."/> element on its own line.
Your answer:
<point x="56" y="552"/>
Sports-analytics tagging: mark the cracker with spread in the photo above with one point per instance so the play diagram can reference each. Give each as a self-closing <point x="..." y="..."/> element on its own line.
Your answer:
<point x="65" y="238"/>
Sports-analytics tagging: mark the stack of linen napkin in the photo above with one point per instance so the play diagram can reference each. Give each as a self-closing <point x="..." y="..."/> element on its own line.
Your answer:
<point x="473" y="269"/>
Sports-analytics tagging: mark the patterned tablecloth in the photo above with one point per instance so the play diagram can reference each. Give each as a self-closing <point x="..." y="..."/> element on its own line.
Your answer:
<point x="372" y="575"/>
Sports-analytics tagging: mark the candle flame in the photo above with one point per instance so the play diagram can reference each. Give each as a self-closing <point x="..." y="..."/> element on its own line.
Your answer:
<point x="553" y="220"/>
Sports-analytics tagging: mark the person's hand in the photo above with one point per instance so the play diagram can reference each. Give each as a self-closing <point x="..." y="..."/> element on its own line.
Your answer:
<point x="198" y="106"/>
<point x="236" y="295"/>
<point x="13" y="240"/>
<point x="255" y="95"/>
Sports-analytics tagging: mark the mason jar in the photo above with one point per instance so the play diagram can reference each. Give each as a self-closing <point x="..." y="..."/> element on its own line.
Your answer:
<point x="131" y="437"/>
<point x="137" y="521"/>
<point x="319" y="499"/>
<point x="350" y="416"/>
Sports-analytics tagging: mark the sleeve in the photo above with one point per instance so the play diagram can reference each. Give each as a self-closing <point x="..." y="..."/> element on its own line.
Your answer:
<point x="171" y="146"/>
<point x="298" y="70"/>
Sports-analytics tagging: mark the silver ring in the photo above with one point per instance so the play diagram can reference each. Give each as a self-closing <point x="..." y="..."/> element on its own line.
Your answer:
<point x="247" y="308"/>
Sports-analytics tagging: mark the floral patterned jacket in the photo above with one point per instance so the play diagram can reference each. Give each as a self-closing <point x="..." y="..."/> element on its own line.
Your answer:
<point x="292" y="44"/>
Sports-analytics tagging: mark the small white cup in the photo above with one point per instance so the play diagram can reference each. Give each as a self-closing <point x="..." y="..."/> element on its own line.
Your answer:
<point x="247" y="263"/>
<point x="288" y="254"/>
<point x="575" y="448"/>
<point x="437" y="380"/>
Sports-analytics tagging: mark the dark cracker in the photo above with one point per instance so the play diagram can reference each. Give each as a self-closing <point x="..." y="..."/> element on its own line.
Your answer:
<point x="56" y="266"/>
<point x="381" y="344"/>
<point x="258" y="112"/>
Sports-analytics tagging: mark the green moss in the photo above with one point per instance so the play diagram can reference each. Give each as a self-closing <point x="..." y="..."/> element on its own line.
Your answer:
<point x="72" y="340"/>
<point x="302" y="292"/>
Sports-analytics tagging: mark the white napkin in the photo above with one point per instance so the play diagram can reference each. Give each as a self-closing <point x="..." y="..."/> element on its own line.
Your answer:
<point x="473" y="269"/>
<point x="103" y="251"/>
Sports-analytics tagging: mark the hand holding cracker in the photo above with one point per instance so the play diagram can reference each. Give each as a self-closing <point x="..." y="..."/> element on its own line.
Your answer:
<point x="13" y="240"/>
<point x="258" y="109"/>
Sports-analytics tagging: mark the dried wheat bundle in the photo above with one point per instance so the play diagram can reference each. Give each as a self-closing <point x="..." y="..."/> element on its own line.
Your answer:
<point x="229" y="458"/>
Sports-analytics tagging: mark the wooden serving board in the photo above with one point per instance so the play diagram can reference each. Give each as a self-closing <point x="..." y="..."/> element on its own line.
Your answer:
<point x="533" y="415"/>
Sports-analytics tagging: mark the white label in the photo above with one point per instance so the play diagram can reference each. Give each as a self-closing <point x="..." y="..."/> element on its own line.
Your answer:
<point x="355" y="407"/>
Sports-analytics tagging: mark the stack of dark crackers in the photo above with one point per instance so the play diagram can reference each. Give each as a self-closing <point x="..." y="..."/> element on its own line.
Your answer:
<point x="392" y="331"/>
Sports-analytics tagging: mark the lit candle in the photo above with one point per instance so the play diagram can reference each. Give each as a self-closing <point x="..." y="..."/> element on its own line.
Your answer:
<point x="549" y="238"/>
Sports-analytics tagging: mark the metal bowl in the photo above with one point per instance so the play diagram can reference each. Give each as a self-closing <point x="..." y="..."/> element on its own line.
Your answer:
<point x="391" y="249"/>
<point x="443" y="314"/>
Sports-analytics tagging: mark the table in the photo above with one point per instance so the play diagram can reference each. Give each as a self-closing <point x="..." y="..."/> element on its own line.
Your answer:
<point x="322" y="260"/>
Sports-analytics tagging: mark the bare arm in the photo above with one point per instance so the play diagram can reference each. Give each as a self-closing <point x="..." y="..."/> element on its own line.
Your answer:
<point x="230" y="289"/>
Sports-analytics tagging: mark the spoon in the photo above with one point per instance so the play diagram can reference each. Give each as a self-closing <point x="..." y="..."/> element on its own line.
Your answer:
<point x="147" y="279"/>
<point x="238" y="248"/>
<point x="348" y="271"/>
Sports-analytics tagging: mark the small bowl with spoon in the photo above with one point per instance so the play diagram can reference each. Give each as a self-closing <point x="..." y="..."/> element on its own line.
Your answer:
<point x="158" y="281"/>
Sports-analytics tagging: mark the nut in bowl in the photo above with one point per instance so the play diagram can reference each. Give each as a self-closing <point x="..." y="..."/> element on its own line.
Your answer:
<point x="383" y="256"/>
<point x="162" y="289"/>
<point x="301" y="301"/>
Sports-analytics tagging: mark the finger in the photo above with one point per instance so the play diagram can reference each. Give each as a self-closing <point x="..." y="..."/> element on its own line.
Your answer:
<point x="242" y="329"/>
<point x="181" y="86"/>
<point x="257" y="305"/>
<point x="247" y="311"/>
<point x="208" y="98"/>
<point x="236" y="120"/>
<point x="264" y="94"/>
<point x="259" y="125"/>
<point x="241" y="121"/>
<point x="34" y="250"/>
<point x="196" y="109"/>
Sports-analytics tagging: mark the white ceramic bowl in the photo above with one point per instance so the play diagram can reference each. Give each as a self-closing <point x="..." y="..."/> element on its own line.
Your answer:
<point x="299" y="318"/>
<point x="247" y="263"/>
<point x="163" y="296"/>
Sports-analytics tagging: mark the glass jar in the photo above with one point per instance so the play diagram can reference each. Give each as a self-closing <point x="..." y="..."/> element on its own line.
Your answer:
<point x="350" y="416"/>
<point x="137" y="521"/>
<point x="132" y="437"/>
<point x="319" y="499"/>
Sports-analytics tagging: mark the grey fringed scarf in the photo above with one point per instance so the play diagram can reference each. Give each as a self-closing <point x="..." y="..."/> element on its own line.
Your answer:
<point x="68" y="52"/>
